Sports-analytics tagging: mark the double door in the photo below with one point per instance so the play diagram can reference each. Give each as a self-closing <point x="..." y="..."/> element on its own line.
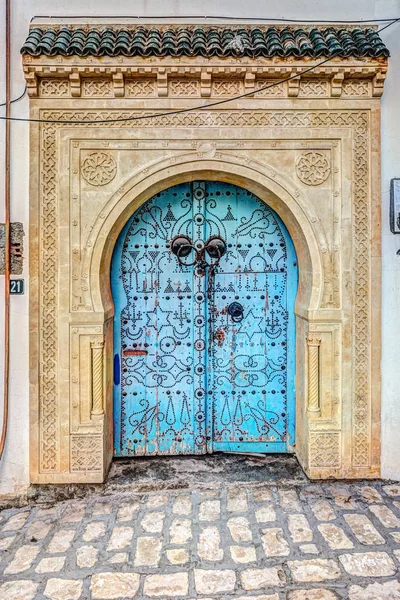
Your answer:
<point x="204" y="278"/>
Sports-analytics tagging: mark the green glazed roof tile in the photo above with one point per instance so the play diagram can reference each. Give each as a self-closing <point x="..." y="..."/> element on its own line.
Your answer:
<point x="206" y="41"/>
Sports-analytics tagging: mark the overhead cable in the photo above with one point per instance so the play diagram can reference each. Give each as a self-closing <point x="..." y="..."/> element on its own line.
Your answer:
<point x="224" y="18"/>
<point x="15" y="99"/>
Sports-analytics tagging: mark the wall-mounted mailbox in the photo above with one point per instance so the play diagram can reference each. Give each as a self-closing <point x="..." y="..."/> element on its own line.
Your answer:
<point x="395" y="205"/>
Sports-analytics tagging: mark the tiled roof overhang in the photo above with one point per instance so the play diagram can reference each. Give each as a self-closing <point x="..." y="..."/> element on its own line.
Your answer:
<point x="207" y="41"/>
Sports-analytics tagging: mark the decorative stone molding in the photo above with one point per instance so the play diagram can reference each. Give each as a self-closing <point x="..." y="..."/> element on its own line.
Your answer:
<point x="162" y="83"/>
<point x="54" y="87"/>
<point x="356" y="87"/>
<point x="313" y="405"/>
<point x="313" y="88"/>
<point x="313" y="168"/>
<point x="99" y="168"/>
<point x="118" y="80"/>
<point x="140" y="88"/>
<point x="337" y="85"/>
<point x="325" y="450"/>
<point x="75" y="84"/>
<point x="194" y="80"/>
<point x="97" y="378"/>
<point x="88" y="178"/>
<point x="86" y="453"/>
<point x="98" y="87"/>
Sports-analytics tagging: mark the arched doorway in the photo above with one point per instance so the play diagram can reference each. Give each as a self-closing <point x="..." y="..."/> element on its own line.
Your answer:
<point x="204" y="278"/>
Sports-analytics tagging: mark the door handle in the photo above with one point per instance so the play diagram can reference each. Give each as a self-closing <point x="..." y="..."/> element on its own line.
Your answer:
<point x="235" y="311"/>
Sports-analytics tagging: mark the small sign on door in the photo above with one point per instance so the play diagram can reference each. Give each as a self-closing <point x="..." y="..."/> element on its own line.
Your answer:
<point x="17" y="286"/>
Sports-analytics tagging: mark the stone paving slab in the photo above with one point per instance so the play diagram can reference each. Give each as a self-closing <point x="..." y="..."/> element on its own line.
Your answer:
<point x="298" y="541"/>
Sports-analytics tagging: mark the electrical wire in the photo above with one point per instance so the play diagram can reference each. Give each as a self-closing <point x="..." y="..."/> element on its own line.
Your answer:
<point x="225" y="18"/>
<point x="15" y="99"/>
<point x="182" y="110"/>
<point x="388" y="25"/>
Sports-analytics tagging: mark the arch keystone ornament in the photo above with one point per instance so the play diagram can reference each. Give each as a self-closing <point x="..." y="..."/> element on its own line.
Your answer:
<point x="93" y="172"/>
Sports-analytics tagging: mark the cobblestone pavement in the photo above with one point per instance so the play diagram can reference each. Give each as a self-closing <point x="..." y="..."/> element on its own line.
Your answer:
<point x="300" y="541"/>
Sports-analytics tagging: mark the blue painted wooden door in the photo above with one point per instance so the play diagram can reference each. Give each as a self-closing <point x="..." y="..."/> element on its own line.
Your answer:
<point x="204" y="357"/>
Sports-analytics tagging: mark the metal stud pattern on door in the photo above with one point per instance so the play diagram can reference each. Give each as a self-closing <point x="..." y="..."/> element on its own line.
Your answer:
<point x="204" y="278"/>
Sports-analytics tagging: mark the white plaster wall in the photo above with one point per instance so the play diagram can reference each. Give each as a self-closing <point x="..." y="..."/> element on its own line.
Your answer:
<point x="391" y="263"/>
<point x="14" y="472"/>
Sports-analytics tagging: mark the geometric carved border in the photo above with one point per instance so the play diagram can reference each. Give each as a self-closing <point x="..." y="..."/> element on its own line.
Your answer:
<point x="324" y="450"/>
<point x="86" y="453"/>
<point x="356" y="120"/>
<point x="362" y="226"/>
<point x="48" y="301"/>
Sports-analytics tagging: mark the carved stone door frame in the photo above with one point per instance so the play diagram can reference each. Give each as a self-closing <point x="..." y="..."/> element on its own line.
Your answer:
<point x="310" y="150"/>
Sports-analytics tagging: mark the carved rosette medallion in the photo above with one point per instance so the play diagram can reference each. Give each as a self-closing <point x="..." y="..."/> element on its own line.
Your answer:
<point x="313" y="168"/>
<point x="99" y="168"/>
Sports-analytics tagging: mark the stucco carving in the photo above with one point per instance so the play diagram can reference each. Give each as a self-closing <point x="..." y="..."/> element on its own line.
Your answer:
<point x="140" y="88"/>
<point x="216" y="78"/>
<point x="326" y="149"/>
<point x="101" y="88"/>
<point x="313" y="88"/>
<point x="54" y="87"/>
<point x="225" y="119"/>
<point x="86" y="453"/>
<point x="272" y="88"/>
<point x="325" y="450"/>
<point x="99" y="168"/>
<point x="97" y="377"/>
<point x="356" y="87"/>
<point x="226" y="87"/>
<point x="313" y="168"/>
<point x="313" y="405"/>
<point x="184" y="87"/>
<point x="49" y="435"/>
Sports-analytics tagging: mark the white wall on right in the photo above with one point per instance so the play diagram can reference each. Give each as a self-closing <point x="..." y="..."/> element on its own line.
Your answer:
<point x="390" y="363"/>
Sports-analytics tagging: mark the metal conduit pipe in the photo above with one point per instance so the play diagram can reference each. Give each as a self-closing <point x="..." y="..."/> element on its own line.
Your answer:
<point x="7" y="236"/>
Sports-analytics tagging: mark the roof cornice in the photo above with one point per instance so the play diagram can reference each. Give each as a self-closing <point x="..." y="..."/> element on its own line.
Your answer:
<point x="222" y="41"/>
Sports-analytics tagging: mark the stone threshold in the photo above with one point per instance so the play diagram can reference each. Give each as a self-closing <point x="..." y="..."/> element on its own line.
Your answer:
<point x="152" y="474"/>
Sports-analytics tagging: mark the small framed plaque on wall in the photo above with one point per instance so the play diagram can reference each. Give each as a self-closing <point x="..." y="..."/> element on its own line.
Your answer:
<point x="395" y="205"/>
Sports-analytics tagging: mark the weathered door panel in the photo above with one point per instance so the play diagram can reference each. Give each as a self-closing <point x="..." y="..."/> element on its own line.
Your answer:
<point x="249" y="364"/>
<point x="251" y="371"/>
<point x="190" y="376"/>
<point x="155" y="404"/>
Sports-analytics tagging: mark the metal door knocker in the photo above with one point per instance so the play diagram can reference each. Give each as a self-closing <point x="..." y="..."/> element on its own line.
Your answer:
<point x="235" y="311"/>
<point x="215" y="247"/>
<point x="182" y="246"/>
